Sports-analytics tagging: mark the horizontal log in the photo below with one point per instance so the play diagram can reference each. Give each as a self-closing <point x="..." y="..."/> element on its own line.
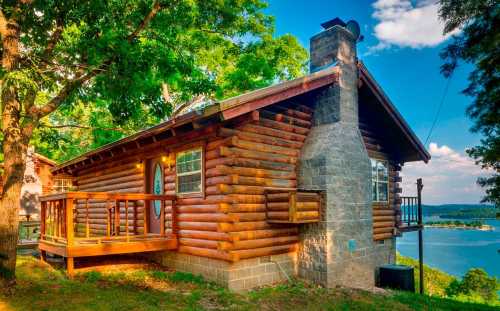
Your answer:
<point x="382" y="218"/>
<point x="210" y="253"/>
<point x="207" y="235"/>
<point x="282" y="126"/>
<point x="207" y="217"/>
<point x="230" y="198"/>
<point x="252" y="172"/>
<point x="383" y="212"/>
<point x="383" y="224"/>
<point x="198" y="243"/>
<point x="236" y="189"/>
<point x="249" y="163"/>
<point x="205" y="208"/>
<point x="279" y="117"/>
<point x="278" y="206"/>
<point x="250" y="216"/>
<point x="307" y="215"/>
<point x="291" y="112"/>
<point x="250" y="208"/>
<point x="383" y="230"/>
<point x="259" y="243"/>
<point x="251" y="181"/>
<point x="382" y="236"/>
<point x="242" y="226"/>
<point x="262" y="147"/>
<point x="307" y="206"/>
<point x="278" y="197"/>
<point x="264" y="130"/>
<point x="258" y="138"/>
<point x="200" y="226"/>
<point x="266" y="251"/>
<point x="261" y="234"/>
<point x="119" y="177"/>
<point x="256" y="155"/>
<point x="278" y="215"/>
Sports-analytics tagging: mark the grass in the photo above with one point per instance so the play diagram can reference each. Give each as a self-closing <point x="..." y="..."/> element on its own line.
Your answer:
<point x="435" y="281"/>
<point x="41" y="287"/>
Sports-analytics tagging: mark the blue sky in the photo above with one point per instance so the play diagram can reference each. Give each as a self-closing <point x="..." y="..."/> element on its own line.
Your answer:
<point x="403" y="39"/>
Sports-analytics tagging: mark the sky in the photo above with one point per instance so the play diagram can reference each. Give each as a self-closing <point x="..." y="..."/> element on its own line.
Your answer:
<point x="401" y="49"/>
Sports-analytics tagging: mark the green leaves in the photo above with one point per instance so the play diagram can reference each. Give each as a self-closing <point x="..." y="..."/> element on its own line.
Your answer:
<point x="477" y="44"/>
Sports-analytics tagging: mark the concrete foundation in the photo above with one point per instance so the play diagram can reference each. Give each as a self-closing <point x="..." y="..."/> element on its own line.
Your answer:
<point x="239" y="276"/>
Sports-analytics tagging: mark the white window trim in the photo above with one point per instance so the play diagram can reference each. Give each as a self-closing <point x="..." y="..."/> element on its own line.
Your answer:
<point x="375" y="179"/>
<point x="200" y="171"/>
<point x="65" y="185"/>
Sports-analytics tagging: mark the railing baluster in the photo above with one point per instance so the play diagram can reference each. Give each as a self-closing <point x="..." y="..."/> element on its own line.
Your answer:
<point x="145" y="216"/>
<point x="162" y="218"/>
<point x="126" y="219"/>
<point x="134" y="221"/>
<point x="108" y="220"/>
<point x="174" y="217"/>
<point x="87" y="224"/>
<point x="117" y="217"/>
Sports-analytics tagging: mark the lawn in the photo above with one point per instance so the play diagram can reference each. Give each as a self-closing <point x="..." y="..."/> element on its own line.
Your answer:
<point x="41" y="287"/>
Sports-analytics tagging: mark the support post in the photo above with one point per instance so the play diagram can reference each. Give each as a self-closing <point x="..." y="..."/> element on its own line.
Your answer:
<point x="420" y="235"/>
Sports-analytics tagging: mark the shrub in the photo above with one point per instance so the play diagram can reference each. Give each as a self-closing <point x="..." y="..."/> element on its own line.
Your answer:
<point x="476" y="282"/>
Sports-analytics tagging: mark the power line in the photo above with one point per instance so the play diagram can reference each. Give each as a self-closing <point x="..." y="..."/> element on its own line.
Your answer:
<point x="445" y="92"/>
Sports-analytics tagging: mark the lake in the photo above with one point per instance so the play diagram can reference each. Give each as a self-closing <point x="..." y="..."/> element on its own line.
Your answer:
<point x="456" y="251"/>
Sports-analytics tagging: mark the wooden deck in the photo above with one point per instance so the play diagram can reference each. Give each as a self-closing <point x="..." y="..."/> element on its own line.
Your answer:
<point x="119" y="234"/>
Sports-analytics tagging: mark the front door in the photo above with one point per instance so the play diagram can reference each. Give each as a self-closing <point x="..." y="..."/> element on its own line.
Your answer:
<point x="155" y="184"/>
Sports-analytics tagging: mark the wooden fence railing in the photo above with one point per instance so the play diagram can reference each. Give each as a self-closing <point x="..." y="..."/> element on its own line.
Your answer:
<point x="117" y="216"/>
<point x="411" y="209"/>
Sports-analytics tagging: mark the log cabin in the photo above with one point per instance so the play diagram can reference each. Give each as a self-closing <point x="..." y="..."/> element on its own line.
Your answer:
<point x="297" y="179"/>
<point x="38" y="181"/>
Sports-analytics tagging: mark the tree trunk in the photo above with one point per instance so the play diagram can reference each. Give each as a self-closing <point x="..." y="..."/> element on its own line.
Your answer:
<point x="15" y="147"/>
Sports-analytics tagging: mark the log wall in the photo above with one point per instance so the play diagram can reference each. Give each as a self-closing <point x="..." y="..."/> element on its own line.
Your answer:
<point x="384" y="214"/>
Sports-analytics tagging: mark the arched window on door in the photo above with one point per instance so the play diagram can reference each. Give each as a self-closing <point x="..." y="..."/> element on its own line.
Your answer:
<point x="158" y="186"/>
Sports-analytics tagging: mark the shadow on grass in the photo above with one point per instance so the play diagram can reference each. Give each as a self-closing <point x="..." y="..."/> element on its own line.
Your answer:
<point x="41" y="287"/>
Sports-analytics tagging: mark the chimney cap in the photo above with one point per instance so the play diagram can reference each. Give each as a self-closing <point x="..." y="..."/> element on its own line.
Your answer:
<point x="333" y="22"/>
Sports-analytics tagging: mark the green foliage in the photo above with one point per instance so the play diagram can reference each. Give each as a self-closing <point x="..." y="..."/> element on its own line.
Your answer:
<point x="196" y="47"/>
<point x="41" y="287"/>
<point x="476" y="286"/>
<point x="477" y="44"/>
<point x="92" y="276"/>
<point x="475" y="283"/>
<point x="177" y="277"/>
<point x="435" y="281"/>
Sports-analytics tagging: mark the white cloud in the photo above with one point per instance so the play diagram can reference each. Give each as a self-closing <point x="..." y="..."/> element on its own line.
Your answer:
<point x="400" y="23"/>
<point x="449" y="177"/>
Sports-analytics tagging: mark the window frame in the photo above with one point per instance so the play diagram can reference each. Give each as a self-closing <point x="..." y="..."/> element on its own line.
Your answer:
<point x="200" y="171"/>
<point x="65" y="181"/>
<point x="377" y="181"/>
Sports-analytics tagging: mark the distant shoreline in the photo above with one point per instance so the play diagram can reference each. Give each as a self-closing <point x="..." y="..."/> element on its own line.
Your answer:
<point x="461" y="227"/>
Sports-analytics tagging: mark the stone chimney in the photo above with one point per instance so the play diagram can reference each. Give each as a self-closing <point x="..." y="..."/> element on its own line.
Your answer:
<point x="339" y="250"/>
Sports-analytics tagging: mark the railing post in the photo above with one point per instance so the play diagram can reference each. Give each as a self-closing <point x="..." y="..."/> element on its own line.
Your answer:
<point x="126" y="219"/>
<point x="87" y="224"/>
<point x="174" y="217"/>
<point x="69" y="221"/>
<point x="420" y="186"/>
<point x="117" y="217"/>
<point x="43" y="215"/>
<point x="145" y="216"/>
<point x="162" y="218"/>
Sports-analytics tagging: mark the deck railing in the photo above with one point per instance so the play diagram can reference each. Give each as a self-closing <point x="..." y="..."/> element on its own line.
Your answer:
<point x="102" y="216"/>
<point x="411" y="210"/>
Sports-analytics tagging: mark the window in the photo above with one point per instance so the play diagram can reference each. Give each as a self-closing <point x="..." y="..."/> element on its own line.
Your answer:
<point x="157" y="188"/>
<point x="189" y="167"/>
<point x="380" y="181"/>
<point x="62" y="185"/>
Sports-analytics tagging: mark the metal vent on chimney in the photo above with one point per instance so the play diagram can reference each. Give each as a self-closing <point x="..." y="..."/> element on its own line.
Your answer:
<point x="351" y="25"/>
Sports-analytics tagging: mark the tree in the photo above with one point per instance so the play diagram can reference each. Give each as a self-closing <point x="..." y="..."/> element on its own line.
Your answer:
<point x="114" y="56"/>
<point x="478" y="43"/>
<point x="475" y="282"/>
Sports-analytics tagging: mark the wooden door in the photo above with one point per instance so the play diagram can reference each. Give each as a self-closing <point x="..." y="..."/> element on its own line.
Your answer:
<point x="156" y="185"/>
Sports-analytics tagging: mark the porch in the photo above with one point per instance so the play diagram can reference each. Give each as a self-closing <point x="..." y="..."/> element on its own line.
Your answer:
<point x="83" y="224"/>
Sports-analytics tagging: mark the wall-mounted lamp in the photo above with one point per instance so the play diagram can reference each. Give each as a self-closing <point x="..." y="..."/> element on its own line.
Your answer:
<point x="139" y="165"/>
<point x="168" y="160"/>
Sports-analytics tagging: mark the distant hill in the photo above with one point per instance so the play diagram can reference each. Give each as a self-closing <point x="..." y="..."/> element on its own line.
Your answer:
<point x="460" y="210"/>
